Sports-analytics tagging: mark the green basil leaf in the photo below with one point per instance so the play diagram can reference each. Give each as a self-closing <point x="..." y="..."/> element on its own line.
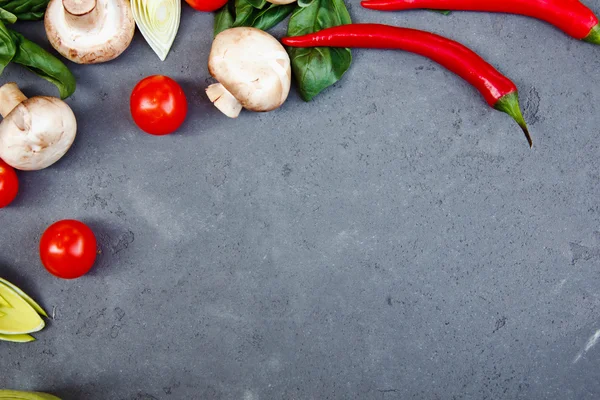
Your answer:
<point x="245" y="13"/>
<point x="7" y="16"/>
<point x="272" y="15"/>
<point x="315" y="69"/>
<point x="26" y="10"/>
<point x="223" y="20"/>
<point x="257" y="3"/>
<point x="305" y="3"/>
<point x="44" y="64"/>
<point x="7" y="47"/>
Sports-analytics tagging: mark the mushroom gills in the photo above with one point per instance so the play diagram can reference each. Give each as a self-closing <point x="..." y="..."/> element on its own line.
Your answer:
<point x="223" y="100"/>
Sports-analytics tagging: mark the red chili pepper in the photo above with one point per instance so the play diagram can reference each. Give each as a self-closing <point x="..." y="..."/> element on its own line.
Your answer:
<point x="499" y="91"/>
<point x="571" y="16"/>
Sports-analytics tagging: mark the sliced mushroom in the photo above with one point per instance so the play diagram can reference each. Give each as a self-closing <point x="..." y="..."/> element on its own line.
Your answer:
<point x="253" y="70"/>
<point x="35" y="132"/>
<point x="281" y="1"/>
<point x="89" y="31"/>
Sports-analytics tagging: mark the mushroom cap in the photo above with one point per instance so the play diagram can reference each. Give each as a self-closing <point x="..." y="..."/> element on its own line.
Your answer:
<point x="37" y="133"/>
<point x="281" y="1"/>
<point x="253" y="66"/>
<point x="105" y="38"/>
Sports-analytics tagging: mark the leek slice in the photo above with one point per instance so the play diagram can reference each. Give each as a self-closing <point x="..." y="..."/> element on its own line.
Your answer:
<point x="19" y="317"/>
<point x="25" y="297"/>
<point x="158" y="20"/>
<point x="17" y="338"/>
<point x="14" y="395"/>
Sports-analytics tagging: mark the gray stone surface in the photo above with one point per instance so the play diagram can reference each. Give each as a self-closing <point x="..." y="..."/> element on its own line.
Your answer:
<point x="395" y="239"/>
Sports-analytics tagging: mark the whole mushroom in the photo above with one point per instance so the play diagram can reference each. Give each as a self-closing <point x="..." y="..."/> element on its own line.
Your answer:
<point x="89" y="31"/>
<point x="35" y="132"/>
<point x="253" y="70"/>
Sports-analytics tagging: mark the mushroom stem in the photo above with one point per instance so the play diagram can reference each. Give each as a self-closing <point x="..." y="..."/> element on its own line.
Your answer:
<point x="81" y="14"/>
<point x="10" y="97"/>
<point x="223" y="100"/>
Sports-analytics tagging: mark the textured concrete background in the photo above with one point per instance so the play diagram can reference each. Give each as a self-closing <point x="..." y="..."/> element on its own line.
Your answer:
<point x="395" y="239"/>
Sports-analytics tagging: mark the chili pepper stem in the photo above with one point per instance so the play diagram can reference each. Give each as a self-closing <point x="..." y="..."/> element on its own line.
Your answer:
<point x="593" y="36"/>
<point x="510" y="104"/>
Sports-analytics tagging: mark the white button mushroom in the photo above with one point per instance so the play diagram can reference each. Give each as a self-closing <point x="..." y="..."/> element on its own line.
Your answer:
<point x="281" y="1"/>
<point x="89" y="31"/>
<point x="253" y="70"/>
<point x="36" y="132"/>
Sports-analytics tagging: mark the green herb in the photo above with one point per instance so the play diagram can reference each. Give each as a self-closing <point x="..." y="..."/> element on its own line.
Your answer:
<point x="16" y="48"/>
<point x="25" y="10"/>
<point x="315" y="69"/>
<point x="272" y="15"/>
<point x="245" y="13"/>
<point x="8" y="17"/>
<point x="223" y="20"/>
<point x="7" y="47"/>
<point x="255" y="13"/>
<point x="257" y="3"/>
<point x="44" y="64"/>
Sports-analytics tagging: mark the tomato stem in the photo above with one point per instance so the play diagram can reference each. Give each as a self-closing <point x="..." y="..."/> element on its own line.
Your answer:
<point x="509" y="104"/>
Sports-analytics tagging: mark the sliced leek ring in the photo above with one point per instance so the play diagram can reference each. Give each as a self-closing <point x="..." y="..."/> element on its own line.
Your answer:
<point x="158" y="20"/>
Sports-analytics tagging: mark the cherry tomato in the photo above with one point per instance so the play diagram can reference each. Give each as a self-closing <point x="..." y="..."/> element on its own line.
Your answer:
<point x="206" y="5"/>
<point x="68" y="249"/>
<point x="158" y="105"/>
<point x="9" y="184"/>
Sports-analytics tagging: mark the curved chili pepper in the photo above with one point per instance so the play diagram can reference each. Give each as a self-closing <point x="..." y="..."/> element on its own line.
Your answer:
<point x="571" y="16"/>
<point x="499" y="91"/>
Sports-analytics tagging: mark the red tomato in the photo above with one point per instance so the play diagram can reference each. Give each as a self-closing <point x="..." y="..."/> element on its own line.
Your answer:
<point x="206" y="5"/>
<point x="158" y="105"/>
<point x="68" y="249"/>
<point x="9" y="184"/>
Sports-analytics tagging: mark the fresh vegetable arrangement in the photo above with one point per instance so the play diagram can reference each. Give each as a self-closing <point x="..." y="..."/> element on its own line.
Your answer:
<point x="253" y="70"/>
<point x="14" y="47"/>
<point x="314" y="69"/>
